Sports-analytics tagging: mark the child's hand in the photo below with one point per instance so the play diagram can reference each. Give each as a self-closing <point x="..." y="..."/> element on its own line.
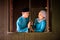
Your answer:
<point x="29" y="24"/>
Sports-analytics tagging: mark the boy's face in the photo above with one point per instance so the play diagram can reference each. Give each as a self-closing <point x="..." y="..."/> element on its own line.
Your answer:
<point x="40" y="16"/>
<point x="25" y="14"/>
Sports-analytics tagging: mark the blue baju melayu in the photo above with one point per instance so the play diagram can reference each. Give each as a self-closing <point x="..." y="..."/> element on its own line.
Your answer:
<point x="39" y="26"/>
<point x="22" y="24"/>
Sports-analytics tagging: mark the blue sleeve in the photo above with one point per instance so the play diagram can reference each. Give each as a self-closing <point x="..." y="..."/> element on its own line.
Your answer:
<point x="35" y="22"/>
<point x="20" y="24"/>
<point x="43" y="26"/>
<point x="34" y="25"/>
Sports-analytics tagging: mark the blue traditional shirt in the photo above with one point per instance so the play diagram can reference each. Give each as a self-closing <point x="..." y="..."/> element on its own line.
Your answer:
<point x="39" y="26"/>
<point x="22" y="24"/>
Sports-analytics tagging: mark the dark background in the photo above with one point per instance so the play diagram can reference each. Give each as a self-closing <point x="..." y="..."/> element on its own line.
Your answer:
<point x="54" y="35"/>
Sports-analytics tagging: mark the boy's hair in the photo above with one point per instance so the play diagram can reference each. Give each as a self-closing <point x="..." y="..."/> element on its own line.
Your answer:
<point x="25" y="10"/>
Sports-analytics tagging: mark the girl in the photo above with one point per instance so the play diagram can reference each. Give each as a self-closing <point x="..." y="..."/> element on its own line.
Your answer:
<point x="40" y="22"/>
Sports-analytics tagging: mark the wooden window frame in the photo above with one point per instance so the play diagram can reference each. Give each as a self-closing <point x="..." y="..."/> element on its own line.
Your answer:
<point x="11" y="15"/>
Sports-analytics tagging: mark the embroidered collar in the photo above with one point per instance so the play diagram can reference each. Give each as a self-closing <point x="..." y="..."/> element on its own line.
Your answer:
<point x="40" y="20"/>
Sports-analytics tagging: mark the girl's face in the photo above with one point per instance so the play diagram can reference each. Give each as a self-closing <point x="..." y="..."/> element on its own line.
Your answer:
<point x="40" y="15"/>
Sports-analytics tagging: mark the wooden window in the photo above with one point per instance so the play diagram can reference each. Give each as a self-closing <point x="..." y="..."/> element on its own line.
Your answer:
<point x="34" y="7"/>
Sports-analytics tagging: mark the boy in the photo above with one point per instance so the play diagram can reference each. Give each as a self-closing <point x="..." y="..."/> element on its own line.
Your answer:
<point x="22" y="22"/>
